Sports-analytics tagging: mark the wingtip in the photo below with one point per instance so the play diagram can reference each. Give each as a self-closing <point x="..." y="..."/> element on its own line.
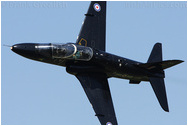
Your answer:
<point x="166" y="110"/>
<point x="165" y="106"/>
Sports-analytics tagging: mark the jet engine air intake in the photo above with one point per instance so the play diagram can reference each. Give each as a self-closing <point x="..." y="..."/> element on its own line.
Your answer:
<point x="72" y="52"/>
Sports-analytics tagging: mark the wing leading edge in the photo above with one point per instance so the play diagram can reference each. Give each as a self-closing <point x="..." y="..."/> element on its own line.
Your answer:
<point x="97" y="90"/>
<point x="93" y="31"/>
<point x="95" y="84"/>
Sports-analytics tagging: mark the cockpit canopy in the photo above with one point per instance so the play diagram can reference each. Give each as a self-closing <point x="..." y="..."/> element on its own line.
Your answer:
<point x="71" y="51"/>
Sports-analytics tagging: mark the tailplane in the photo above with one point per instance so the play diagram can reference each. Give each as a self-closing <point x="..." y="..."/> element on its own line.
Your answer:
<point x="156" y="66"/>
<point x="158" y="86"/>
<point x="155" y="61"/>
<point x="157" y="83"/>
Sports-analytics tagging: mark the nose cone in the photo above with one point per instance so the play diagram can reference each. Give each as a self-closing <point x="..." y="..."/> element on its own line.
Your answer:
<point x="24" y="49"/>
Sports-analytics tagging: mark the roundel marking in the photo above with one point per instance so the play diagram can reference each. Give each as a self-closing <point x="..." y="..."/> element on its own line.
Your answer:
<point x="108" y="123"/>
<point x="97" y="7"/>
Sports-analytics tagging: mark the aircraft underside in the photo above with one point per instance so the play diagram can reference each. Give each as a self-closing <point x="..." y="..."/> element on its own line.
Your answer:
<point x="88" y="61"/>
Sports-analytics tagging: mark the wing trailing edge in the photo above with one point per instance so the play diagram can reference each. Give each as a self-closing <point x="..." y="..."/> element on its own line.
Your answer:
<point x="93" y="31"/>
<point x="97" y="90"/>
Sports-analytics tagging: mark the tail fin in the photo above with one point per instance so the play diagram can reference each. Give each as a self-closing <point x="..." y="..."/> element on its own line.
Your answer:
<point x="156" y="66"/>
<point x="163" y="64"/>
<point x="156" y="60"/>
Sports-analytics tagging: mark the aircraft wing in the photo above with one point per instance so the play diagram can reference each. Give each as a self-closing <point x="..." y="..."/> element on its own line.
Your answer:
<point x="97" y="90"/>
<point x="93" y="31"/>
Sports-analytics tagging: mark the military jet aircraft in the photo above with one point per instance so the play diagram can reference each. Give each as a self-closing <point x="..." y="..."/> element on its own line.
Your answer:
<point x="92" y="65"/>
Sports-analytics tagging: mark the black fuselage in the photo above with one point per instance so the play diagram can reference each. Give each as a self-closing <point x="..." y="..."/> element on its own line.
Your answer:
<point x="93" y="67"/>
<point x="111" y="65"/>
<point x="119" y="67"/>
